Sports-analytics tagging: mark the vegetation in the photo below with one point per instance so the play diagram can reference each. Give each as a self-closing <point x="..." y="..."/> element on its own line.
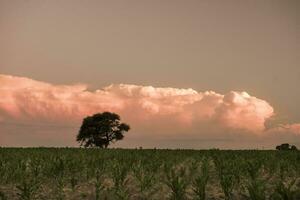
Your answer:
<point x="77" y="173"/>
<point x="101" y="129"/>
<point x="286" y="146"/>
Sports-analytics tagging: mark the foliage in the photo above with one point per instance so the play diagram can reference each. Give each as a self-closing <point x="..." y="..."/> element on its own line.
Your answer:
<point x="75" y="173"/>
<point x="200" y="182"/>
<point x="101" y="129"/>
<point x="286" y="146"/>
<point x="176" y="181"/>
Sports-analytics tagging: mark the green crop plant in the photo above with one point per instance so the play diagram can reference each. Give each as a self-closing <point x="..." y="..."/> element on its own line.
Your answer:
<point x="200" y="182"/>
<point x="284" y="191"/>
<point x="27" y="190"/>
<point x="119" y="176"/>
<point x="78" y="173"/>
<point x="256" y="184"/>
<point x="227" y="183"/>
<point x="98" y="184"/>
<point x="256" y="190"/>
<point x="58" y="170"/>
<point x="73" y="173"/>
<point x="2" y="196"/>
<point x="226" y="176"/>
<point x="145" y="179"/>
<point x="177" y="183"/>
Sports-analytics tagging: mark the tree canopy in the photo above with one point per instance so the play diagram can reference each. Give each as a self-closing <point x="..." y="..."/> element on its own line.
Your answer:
<point x="101" y="129"/>
<point x="286" y="146"/>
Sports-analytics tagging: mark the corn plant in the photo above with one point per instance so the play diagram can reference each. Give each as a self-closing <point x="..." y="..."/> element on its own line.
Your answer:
<point x="145" y="178"/>
<point x="98" y="184"/>
<point x="119" y="175"/>
<point x="147" y="174"/>
<point x="200" y="182"/>
<point x="256" y="190"/>
<point x="58" y="170"/>
<point x="226" y="176"/>
<point x="73" y="169"/>
<point x="284" y="188"/>
<point x="284" y="191"/>
<point x="28" y="189"/>
<point x="2" y="196"/>
<point x="256" y="186"/>
<point x="177" y="182"/>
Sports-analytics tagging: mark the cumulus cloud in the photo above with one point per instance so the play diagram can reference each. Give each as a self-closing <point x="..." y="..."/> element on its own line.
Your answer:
<point x="286" y="128"/>
<point x="148" y="109"/>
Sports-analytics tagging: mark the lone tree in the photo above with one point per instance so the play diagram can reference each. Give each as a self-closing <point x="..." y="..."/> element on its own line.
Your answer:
<point x="286" y="146"/>
<point x="101" y="129"/>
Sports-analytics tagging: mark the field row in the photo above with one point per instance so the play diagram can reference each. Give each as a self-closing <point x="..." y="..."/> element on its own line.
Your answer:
<point x="49" y="173"/>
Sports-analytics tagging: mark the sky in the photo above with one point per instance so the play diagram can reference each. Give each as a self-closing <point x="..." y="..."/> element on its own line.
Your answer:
<point x="183" y="74"/>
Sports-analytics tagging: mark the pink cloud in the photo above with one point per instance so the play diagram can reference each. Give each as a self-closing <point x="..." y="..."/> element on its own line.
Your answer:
<point x="27" y="99"/>
<point x="286" y="128"/>
<point x="149" y="110"/>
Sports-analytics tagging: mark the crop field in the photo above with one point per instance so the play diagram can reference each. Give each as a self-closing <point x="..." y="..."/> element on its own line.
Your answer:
<point x="70" y="173"/>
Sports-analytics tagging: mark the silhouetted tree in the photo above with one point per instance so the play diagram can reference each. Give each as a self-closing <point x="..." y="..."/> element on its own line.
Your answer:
<point x="293" y="147"/>
<point x="286" y="146"/>
<point x="101" y="129"/>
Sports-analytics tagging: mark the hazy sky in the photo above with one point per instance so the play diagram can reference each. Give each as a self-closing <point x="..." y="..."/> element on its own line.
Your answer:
<point x="222" y="46"/>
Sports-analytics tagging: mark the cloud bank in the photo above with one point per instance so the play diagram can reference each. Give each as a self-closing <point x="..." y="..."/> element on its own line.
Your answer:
<point x="151" y="111"/>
